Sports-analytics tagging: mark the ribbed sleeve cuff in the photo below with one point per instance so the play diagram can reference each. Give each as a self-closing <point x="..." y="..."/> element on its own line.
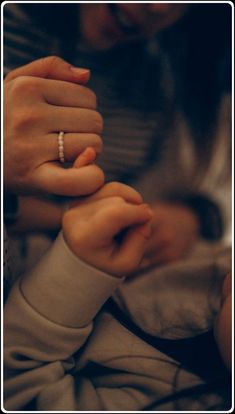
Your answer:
<point x="66" y="290"/>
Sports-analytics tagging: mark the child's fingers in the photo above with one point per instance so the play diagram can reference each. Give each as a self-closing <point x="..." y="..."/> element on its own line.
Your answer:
<point x="133" y="247"/>
<point x="113" y="189"/>
<point x="116" y="189"/>
<point x="116" y="218"/>
<point x="85" y="158"/>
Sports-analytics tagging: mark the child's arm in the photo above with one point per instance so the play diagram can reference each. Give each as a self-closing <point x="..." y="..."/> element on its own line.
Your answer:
<point x="49" y="313"/>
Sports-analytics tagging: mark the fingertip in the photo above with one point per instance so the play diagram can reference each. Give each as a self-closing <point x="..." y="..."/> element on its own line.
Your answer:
<point x="147" y="210"/>
<point x="90" y="154"/>
<point x="136" y="197"/>
<point x="86" y="157"/>
<point x="82" y="75"/>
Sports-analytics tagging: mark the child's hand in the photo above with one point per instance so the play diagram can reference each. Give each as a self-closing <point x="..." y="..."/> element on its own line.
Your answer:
<point x="110" y="229"/>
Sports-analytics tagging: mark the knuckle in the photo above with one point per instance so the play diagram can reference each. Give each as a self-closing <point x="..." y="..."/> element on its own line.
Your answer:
<point x="16" y="87"/>
<point x="24" y="118"/>
<point x="98" y="122"/>
<point x="91" y="96"/>
<point x="117" y="201"/>
<point x="9" y="76"/>
<point x="114" y="188"/>
<point x="20" y="86"/>
<point x="73" y="237"/>
<point x="114" y="209"/>
<point x="97" y="142"/>
<point x="51" y="62"/>
<point x="123" y="191"/>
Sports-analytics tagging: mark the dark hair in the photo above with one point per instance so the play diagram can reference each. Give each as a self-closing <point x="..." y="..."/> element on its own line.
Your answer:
<point x="199" y="53"/>
<point x="205" y="69"/>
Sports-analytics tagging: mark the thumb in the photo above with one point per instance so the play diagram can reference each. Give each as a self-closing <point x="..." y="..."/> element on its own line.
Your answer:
<point x="69" y="181"/>
<point x="85" y="158"/>
<point x="133" y="248"/>
<point x="52" y="67"/>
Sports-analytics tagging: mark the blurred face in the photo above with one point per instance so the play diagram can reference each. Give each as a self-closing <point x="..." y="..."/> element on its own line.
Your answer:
<point x="104" y="25"/>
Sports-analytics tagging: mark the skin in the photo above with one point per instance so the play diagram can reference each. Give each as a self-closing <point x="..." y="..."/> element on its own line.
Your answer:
<point x="91" y="226"/>
<point x="49" y="214"/>
<point x="59" y="91"/>
<point x="30" y="141"/>
<point x="175" y="227"/>
<point x="54" y="84"/>
<point x="41" y="99"/>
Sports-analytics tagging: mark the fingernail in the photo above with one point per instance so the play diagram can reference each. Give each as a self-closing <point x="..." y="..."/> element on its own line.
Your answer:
<point x="79" y="71"/>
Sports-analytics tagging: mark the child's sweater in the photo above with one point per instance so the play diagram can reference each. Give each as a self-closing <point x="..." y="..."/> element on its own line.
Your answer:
<point x="65" y="351"/>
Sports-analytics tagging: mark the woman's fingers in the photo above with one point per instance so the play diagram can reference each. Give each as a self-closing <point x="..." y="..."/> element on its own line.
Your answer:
<point x="40" y="100"/>
<point x="32" y="90"/>
<point x="51" y="67"/>
<point x="51" y="177"/>
<point x="62" y="93"/>
<point x="41" y="108"/>
<point x="73" y="120"/>
<point x="74" y="144"/>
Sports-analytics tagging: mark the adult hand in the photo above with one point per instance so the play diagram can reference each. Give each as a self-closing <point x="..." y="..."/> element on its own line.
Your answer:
<point x="48" y="212"/>
<point x="175" y="228"/>
<point x="41" y="99"/>
<point x="109" y="229"/>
